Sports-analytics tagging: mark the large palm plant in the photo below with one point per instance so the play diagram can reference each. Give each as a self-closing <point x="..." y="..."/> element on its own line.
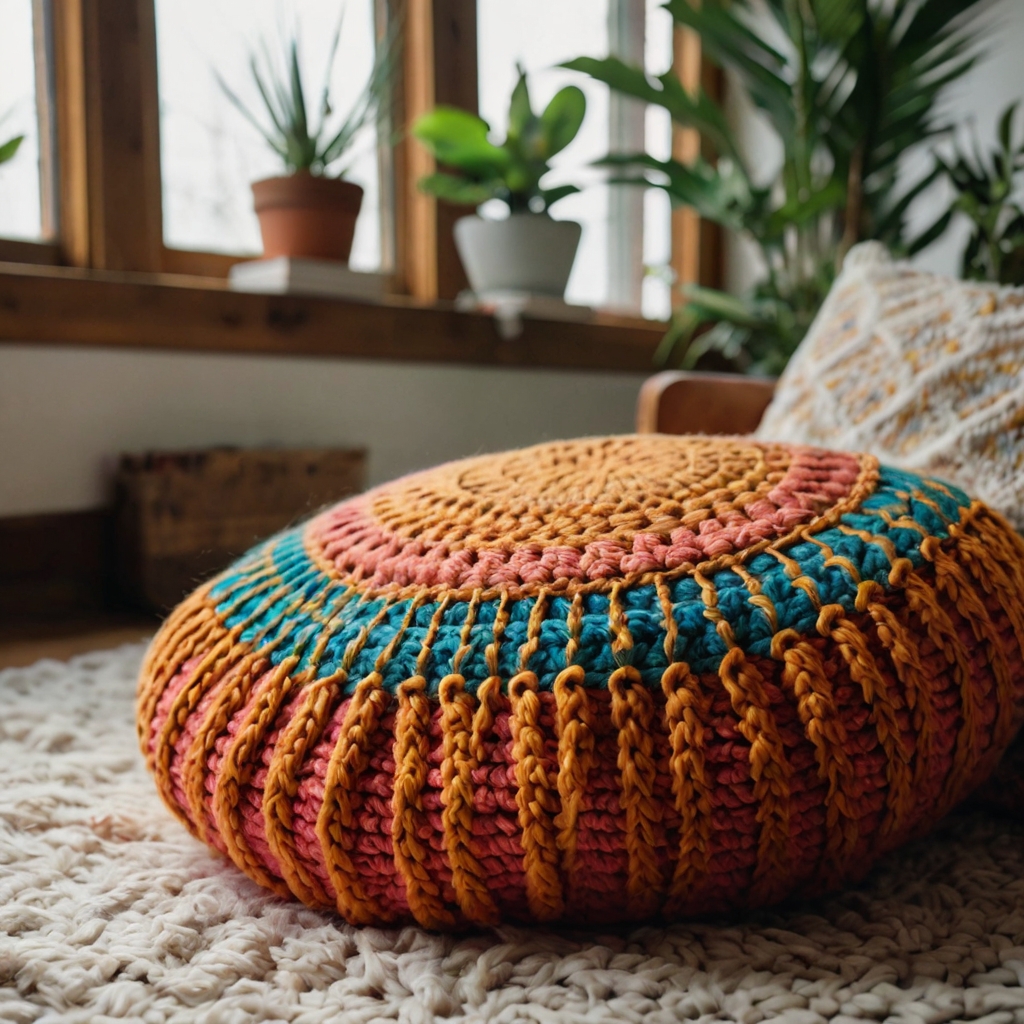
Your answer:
<point x="849" y="87"/>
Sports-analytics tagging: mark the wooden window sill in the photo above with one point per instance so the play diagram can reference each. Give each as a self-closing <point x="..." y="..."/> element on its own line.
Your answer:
<point x="70" y="306"/>
<point x="16" y="251"/>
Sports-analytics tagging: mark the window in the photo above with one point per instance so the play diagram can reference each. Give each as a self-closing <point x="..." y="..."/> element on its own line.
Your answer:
<point x="509" y="33"/>
<point x="131" y="140"/>
<point x="21" y="206"/>
<point x="209" y="153"/>
<point x="624" y="230"/>
<point x="656" y="288"/>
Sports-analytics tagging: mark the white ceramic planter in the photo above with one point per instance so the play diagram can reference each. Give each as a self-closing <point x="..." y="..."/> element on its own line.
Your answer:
<point x="527" y="252"/>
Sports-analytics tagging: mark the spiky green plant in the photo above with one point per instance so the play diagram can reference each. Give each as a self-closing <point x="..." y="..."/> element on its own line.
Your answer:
<point x="849" y="87"/>
<point x="312" y="142"/>
<point x="477" y="169"/>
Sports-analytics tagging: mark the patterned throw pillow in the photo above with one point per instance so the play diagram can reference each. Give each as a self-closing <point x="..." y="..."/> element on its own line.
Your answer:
<point x="591" y="681"/>
<point x="925" y="372"/>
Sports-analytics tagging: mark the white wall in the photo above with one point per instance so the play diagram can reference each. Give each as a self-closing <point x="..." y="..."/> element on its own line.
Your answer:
<point x="66" y="413"/>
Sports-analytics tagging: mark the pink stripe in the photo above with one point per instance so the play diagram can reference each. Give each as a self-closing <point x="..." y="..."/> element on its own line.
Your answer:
<point x="496" y="821"/>
<point x="601" y="879"/>
<point x="221" y="745"/>
<point x="602" y="863"/>
<point x="250" y="799"/>
<point x="357" y="545"/>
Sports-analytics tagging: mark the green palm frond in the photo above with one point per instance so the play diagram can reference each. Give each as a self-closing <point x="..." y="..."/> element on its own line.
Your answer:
<point x="696" y="110"/>
<point x="849" y="88"/>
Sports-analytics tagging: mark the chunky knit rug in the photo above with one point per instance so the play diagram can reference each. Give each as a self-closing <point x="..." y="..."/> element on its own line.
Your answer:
<point x="110" y="911"/>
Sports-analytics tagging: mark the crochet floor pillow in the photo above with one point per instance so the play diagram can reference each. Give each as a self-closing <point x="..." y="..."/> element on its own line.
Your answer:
<point x="593" y="680"/>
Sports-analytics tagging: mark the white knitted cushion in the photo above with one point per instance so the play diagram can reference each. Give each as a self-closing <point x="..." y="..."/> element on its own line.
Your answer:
<point x="923" y="371"/>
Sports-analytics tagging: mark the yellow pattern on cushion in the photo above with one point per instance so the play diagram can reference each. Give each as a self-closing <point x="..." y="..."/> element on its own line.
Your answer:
<point x="923" y="371"/>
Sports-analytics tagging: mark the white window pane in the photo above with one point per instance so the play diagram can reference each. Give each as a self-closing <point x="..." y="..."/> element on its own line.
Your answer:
<point x="541" y="34"/>
<point x="657" y="293"/>
<point x="573" y="28"/>
<point x="658" y="51"/>
<point x="210" y="154"/>
<point x="20" y="212"/>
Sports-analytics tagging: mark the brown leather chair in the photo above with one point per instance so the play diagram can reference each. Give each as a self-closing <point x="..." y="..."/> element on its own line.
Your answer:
<point x="675" y="402"/>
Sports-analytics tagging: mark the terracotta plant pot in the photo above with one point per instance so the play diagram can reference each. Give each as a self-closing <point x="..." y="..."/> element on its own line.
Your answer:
<point x="303" y="215"/>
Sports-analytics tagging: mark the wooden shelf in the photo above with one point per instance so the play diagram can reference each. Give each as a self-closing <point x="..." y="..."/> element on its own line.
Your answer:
<point x="70" y="306"/>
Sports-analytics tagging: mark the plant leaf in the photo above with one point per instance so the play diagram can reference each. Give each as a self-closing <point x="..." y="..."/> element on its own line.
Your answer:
<point x="459" y="139"/>
<point x="561" y="119"/>
<point x="550" y="196"/>
<point x="930" y="234"/>
<point x="290" y="132"/>
<point x="717" y="305"/>
<point x="1006" y="127"/>
<point x="10" y="147"/>
<point x="300" y="126"/>
<point x="454" y="189"/>
<point x="679" y="337"/>
<point x="372" y="98"/>
<point x="325" y="94"/>
<point x="889" y="227"/>
<point x="717" y="195"/>
<point x="801" y="210"/>
<point x="520" y="113"/>
<point x="697" y="111"/>
<point x="731" y="43"/>
<point x="273" y="141"/>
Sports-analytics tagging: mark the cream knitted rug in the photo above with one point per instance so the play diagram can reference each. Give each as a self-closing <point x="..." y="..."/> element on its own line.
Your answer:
<point x="110" y="911"/>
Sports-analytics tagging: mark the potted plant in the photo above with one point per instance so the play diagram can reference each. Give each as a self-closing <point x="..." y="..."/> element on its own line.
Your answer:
<point x="311" y="210"/>
<point x="849" y="87"/>
<point x="528" y="251"/>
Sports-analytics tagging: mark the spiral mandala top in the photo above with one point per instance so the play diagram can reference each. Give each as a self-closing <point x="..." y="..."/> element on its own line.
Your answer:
<point x="578" y="514"/>
<point x="593" y="680"/>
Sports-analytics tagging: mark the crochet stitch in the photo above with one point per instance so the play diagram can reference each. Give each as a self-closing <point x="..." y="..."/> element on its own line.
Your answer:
<point x="593" y="680"/>
<point x="924" y="371"/>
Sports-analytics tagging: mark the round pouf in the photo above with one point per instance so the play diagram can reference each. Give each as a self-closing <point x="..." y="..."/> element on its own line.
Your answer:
<point x="593" y="680"/>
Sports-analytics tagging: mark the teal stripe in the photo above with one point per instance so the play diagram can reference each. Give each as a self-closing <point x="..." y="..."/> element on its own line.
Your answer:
<point x="298" y="602"/>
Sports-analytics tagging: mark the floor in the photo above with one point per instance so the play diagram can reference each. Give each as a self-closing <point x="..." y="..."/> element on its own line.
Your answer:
<point x="25" y="643"/>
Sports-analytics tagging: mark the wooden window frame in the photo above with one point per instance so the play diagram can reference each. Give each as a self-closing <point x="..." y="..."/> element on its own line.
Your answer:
<point x="97" y="76"/>
<point x="102" y="62"/>
<point x="698" y="250"/>
<point x="47" y="251"/>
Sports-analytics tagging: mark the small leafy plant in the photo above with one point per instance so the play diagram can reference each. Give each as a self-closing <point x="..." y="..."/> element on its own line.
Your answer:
<point x="477" y="169"/>
<point x="848" y="87"/>
<point x="306" y="142"/>
<point x="988" y="193"/>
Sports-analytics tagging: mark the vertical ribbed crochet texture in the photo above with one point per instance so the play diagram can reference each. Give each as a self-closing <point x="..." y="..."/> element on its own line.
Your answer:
<point x="593" y="680"/>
